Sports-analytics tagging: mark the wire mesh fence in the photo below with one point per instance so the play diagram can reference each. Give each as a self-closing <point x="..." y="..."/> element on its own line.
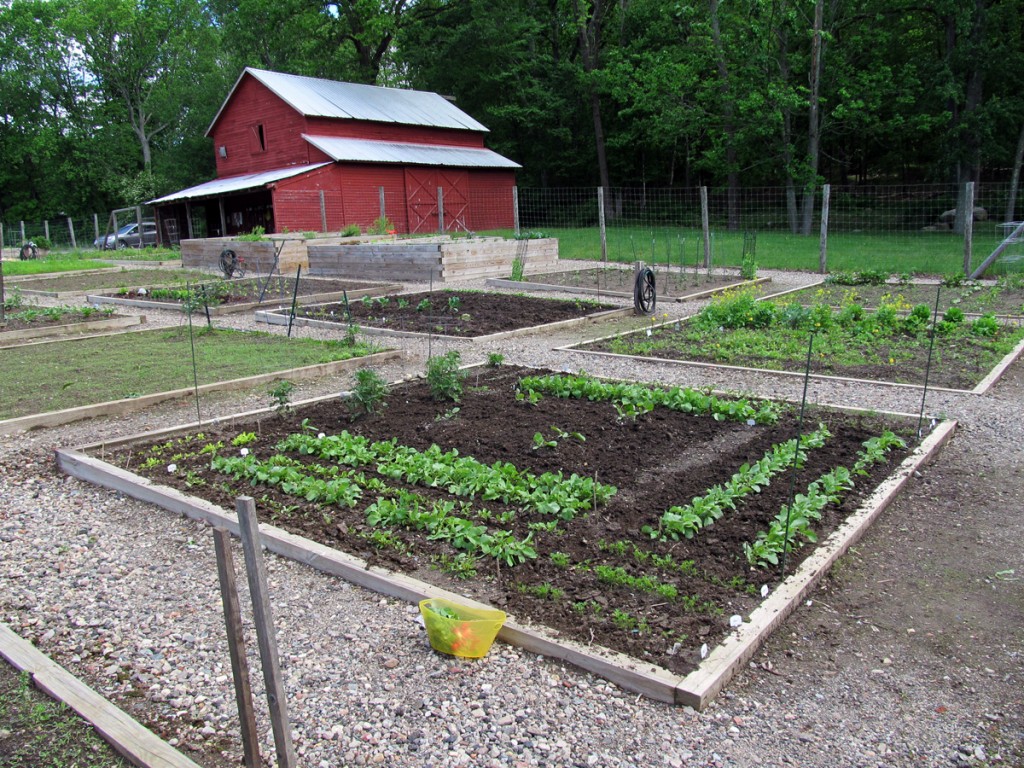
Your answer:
<point x="894" y="227"/>
<point x="899" y="227"/>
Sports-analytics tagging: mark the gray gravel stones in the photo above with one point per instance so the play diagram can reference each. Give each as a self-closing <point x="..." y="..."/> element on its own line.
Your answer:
<point x="125" y="595"/>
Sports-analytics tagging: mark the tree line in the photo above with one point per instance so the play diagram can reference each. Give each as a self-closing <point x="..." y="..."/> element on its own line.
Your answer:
<point x="105" y="103"/>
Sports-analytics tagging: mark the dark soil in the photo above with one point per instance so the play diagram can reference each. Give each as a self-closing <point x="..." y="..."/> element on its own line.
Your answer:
<point x="976" y="298"/>
<point x="219" y="291"/>
<point x="618" y="280"/>
<point x="665" y="458"/>
<point x="454" y="313"/>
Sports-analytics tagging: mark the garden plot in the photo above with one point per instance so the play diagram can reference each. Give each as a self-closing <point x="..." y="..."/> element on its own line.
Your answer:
<point x="671" y="284"/>
<point x="218" y="296"/>
<point x="24" y="323"/>
<point x="890" y="344"/>
<point x="1003" y="297"/>
<point x="69" y="379"/>
<point x="457" y="314"/>
<point x="79" y="283"/>
<point x="628" y="529"/>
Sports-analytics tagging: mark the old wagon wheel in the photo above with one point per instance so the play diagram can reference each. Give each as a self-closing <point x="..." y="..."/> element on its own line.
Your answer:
<point x="229" y="263"/>
<point x="645" y="297"/>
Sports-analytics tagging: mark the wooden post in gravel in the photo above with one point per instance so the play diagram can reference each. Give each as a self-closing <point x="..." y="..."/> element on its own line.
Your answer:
<point x="236" y="647"/>
<point x="256" y="571"/>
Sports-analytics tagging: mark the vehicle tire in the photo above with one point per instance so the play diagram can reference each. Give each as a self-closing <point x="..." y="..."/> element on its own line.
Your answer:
<point x="28" y="251"/>
<point x="122" y="245"/>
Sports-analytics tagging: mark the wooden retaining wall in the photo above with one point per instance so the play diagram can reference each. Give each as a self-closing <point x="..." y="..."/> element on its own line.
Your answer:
<point x="424" y="260"/>
<point x="259" y="255"/>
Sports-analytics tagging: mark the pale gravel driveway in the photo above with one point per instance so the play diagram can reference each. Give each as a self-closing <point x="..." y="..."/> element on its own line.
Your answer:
<point x="919" y="668"/>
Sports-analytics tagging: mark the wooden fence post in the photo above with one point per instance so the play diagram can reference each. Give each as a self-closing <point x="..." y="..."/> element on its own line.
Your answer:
<point x="968" y="227"/>
<point x="71" y="231"/>
<point x="256" y="571"/>
<point x="440" y="209"/>
<point x="705" y="226"/>
<point x="826" y="195"/>
<point x="380" y="191"/>
<point x="323" y="212"/>
<point x="601" y="222"/>
<point x="515" y="210"/>
<point x="236" y="647"/>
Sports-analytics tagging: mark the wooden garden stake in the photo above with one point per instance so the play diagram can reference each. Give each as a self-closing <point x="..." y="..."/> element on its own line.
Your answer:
<point x="236" y="647"/>
<point x="256" y="571"/>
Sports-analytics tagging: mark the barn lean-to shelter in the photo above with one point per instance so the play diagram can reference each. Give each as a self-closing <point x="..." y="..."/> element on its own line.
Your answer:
<point x="300" y="153"/>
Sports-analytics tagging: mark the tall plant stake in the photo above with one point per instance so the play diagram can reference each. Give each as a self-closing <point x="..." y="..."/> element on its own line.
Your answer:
<point x="928" y="366"/>
<point x="796" y="452"/>
<point x="195" y="370"/>
<point x="295" y="297"/>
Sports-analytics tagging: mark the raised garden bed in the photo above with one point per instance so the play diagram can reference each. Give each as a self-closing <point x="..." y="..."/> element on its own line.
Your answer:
<point x="219" y="296"/>
<point x="72" y="284"/>
<point x="1004" y="297"/>
<point x="440" y="259"/>
<point x="626" y="519"/>
<point x="461" y="314"/>
<point x="32" y="323"/>
<point x="891" y="344"/>
<point x="65" y="380"/>
<point x="671" y="284"/>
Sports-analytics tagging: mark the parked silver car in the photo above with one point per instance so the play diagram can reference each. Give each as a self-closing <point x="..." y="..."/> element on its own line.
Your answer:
<point x="128" y="236"/>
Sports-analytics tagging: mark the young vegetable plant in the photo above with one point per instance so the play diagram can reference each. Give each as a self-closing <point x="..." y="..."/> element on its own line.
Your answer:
<point x="281" y="395"/>
<point x="369" y="392"/>
<point x="444" y="377"/>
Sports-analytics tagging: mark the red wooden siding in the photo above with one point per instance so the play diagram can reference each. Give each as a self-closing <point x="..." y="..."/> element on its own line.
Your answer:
<point x="414" y="134"/>
<point x="490" y="194"/>
<point x="253" y="105"/>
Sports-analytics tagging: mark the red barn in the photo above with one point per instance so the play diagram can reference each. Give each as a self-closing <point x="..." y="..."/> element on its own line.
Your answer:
<point x="304" y="154"/>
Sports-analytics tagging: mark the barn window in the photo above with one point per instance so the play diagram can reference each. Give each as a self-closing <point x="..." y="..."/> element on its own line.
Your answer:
<point x="259" y="138"/>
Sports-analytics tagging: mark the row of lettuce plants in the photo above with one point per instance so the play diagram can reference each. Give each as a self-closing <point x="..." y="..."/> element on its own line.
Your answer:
<point x="410" y="510"/>
<point x="405" y="509"/>
<point x="685" y="521"/>
<point x="637" y="398"/>
<point x="550" y="493"/>
<point x="794" y="521"/>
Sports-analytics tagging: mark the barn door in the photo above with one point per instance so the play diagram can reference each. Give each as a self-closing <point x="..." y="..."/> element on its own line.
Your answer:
<point x="421" y="199"/>
<point x="456" y="199"/>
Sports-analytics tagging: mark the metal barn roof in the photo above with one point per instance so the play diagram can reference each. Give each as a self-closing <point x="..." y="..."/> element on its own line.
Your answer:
<point x="369" y="151"/>
<point x="315" y="97"/>
<point x="235" y="183"/>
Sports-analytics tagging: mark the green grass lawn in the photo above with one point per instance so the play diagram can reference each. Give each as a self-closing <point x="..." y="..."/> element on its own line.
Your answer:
<point x="66" y="374"/>
<point x="74" y="260"/>
<point x="921" y="253"/>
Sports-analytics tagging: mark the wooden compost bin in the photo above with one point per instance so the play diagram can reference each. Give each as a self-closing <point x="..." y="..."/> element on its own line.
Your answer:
<point x="443" y="260"/>
<point x="259" y="255"/>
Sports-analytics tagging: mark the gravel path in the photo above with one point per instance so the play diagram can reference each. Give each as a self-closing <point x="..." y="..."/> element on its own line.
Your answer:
<point x="908" y="655"/>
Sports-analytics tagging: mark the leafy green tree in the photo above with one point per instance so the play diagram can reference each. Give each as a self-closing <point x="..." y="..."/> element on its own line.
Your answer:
<point x="154" y="71"/>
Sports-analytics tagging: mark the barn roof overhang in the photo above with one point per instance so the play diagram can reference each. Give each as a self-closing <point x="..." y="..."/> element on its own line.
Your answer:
<point x="231" y="184"/>
<point x="394" y="152"/>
